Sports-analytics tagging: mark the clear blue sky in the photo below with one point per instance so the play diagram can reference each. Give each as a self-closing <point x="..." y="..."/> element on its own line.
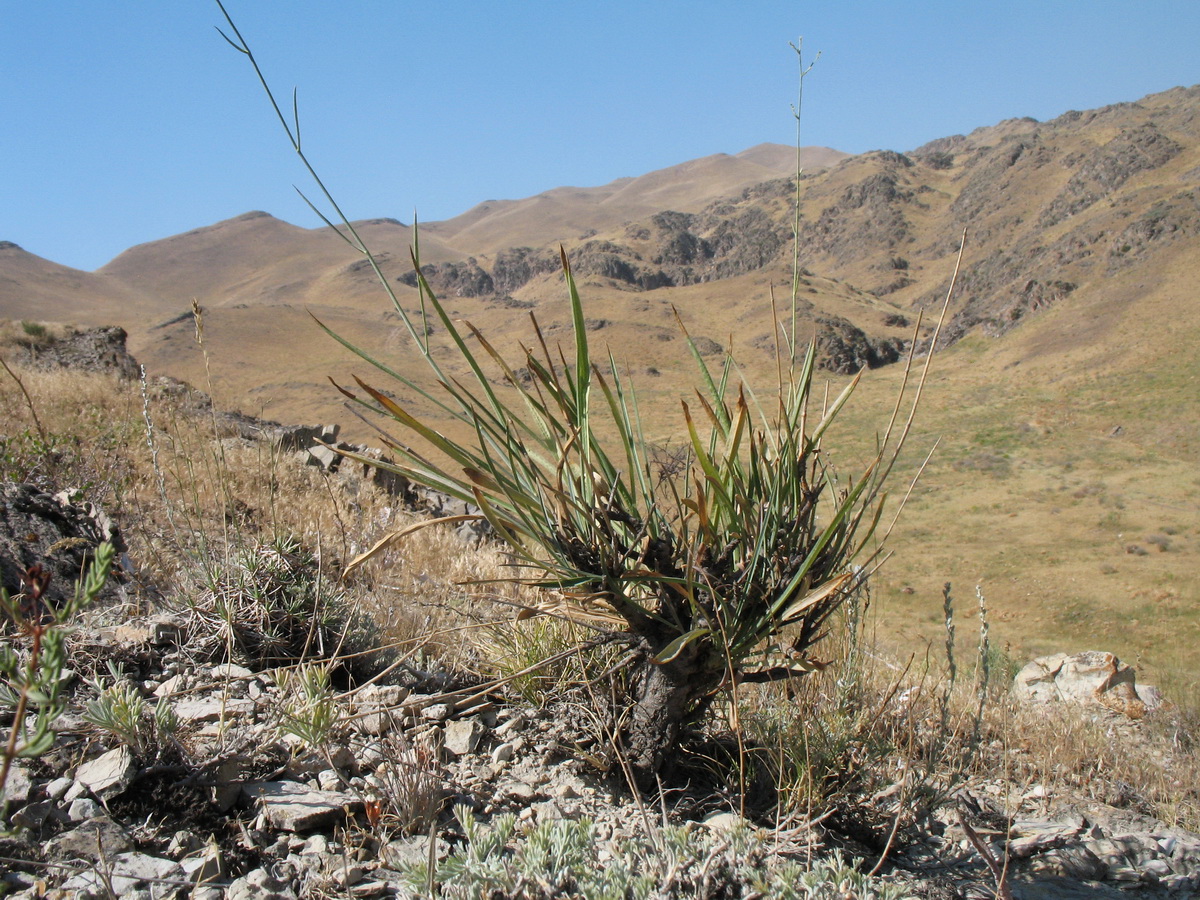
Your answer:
<point x="126" y="122"/>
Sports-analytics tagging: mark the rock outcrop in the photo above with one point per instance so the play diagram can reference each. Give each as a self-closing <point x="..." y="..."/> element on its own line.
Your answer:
<point x="846" y="349"/>
<point x="88" y="350"/>
<point x="55" y="533"/>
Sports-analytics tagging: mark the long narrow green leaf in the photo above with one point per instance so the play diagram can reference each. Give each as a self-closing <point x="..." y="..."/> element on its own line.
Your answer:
<point x="711" y="474"/>
<point x="677" y="646"/>
<point x="715" y="393"/>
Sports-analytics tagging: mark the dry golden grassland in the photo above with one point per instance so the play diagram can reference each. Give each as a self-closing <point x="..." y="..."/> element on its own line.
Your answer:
<point x="194" y="495"/>
<point x="190" y="498"/>
<point x="1068" y="491"/>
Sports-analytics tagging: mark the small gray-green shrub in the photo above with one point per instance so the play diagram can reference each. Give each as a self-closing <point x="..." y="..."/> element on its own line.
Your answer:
<point x="120" y="710"/>
<point x="564" y="858"/>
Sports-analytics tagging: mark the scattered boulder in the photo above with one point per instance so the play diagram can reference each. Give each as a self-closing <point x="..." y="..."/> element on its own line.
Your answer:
<point x="1093" y="677"/>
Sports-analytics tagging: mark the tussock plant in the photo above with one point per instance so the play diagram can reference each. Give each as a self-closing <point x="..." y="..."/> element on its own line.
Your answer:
<point x="725" y="571"/>
<point x="406" y="792"/>
<point x="267" y="605"/>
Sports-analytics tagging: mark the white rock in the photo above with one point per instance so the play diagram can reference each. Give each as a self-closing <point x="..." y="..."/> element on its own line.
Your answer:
<point x="213" y="708"/>
<point x="109" y="774"/>
<point x="345" y="876"/>
<point x="722" y="821"/>
<point x="463" y="736"/>
<point x="57" y="789"/>
<point x="290" y="806"/>
<point x="18" y="787"/>
<point x="260" y="885"/>
<point x="318" y="844"/>
<point x="1091" y="677"/>
<point x="437" y="712"/>
<point x="82" y="809"/>
<point x="172" y="685"/>
<point x="133" y="870"/>
<point x="229" y="670"/>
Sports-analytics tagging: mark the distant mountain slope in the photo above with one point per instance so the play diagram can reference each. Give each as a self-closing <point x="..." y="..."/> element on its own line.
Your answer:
<point x="38" y="289"/>
<point x="567" y="212"/>
<point x="260" y="260"/>
<point x="1071" y="213"/>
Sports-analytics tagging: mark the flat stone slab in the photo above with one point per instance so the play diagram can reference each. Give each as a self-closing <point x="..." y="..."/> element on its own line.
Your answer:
<point x="463" y="736"/>
<point x="108" y="774"/>
<point x="129" y="872"/>
<point x="18" y="787"/>
<point x="96" y="837"/>
<point x="291" y="806"/>
<point x="210" y="709"/>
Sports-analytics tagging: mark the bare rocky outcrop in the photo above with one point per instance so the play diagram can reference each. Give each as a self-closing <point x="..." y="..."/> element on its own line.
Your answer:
<point x="868" y="218"/>
<point x="1091" y="678"/>
<point x="517" y="266"/>
<point x="846" y="349"/>
<point x="1166" y="222"/>
<point x="1134" y="150"/>
<point x="454" y="279"/>
<point x="87" y="350"/>
<point x="606" y="259"/>
<point x="992" y="171"/>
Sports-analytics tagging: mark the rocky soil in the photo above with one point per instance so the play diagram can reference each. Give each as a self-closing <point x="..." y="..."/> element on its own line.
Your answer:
<point x="235" y="798"/>
<point x="232" y="807"/>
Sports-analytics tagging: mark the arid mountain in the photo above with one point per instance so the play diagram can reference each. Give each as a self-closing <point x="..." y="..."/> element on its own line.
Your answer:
<point x="1076" y="212"/>
<point x="564" y="213"/>
<point x="37" y="289"/>
<point x="1067" y="401"/>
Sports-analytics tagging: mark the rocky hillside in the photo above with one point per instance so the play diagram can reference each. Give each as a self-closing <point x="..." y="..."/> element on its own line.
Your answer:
<point x="1066" y="211"/>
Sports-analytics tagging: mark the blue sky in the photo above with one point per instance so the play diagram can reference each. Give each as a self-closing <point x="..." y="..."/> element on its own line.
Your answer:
<point x="125" y="122"/>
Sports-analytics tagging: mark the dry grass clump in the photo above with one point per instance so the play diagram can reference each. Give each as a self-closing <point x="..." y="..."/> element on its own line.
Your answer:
<point x="195" y="503"/>
<point x="874" y="739"/>
<point x="890" y="738"/>
<point x="1150" y="766"/>
<point x="28" y="334"/>
<point x="76" y="440"/>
